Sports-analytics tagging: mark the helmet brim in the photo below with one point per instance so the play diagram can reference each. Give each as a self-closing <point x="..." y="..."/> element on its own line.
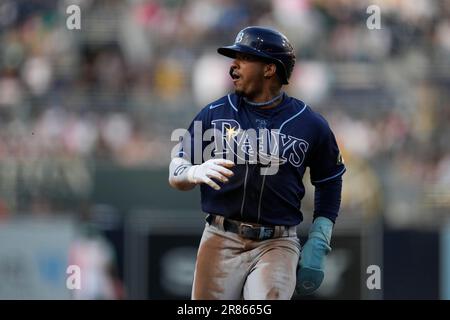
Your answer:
<point x="231" y="51"/>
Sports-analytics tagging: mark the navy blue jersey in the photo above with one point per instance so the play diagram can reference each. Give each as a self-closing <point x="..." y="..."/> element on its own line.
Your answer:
<point x="292" y="131"/>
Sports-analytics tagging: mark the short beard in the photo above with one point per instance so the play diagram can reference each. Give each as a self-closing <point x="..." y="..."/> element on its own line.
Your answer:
<point x="239" y="93"/>
<point x="242" y="94"/>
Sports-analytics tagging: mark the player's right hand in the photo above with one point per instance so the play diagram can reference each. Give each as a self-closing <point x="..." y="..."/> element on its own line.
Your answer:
<point x="209" y="170"/>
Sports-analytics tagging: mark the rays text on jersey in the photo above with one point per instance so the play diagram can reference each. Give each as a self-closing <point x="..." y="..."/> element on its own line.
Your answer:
<point x="226" y="139"/>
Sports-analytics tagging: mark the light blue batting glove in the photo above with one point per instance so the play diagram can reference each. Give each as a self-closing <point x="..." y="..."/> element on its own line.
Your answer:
<point x="310" y="271"/>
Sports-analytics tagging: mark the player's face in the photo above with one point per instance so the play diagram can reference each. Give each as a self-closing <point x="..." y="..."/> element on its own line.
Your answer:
<point x="247" y="73"/>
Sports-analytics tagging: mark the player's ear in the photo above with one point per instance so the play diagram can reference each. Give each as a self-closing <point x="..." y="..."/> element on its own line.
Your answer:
<point x="270" y="70"/>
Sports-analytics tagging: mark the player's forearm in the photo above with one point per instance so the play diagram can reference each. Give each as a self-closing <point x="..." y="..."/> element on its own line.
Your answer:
<point x="178" y="174"/>
<point x="327" y="199"/>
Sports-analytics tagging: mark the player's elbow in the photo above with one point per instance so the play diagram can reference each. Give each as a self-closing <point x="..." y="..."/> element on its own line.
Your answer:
<point x="173" y="183"/>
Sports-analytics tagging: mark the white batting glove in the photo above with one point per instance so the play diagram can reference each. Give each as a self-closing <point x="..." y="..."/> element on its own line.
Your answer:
<point x="211" y="169"/>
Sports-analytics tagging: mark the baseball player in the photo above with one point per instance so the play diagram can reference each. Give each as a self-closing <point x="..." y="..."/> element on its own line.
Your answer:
<point x="248" y="151"/>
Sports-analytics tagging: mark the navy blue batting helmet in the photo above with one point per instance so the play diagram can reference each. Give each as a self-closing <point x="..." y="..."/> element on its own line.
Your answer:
<point x="266" y="43"/>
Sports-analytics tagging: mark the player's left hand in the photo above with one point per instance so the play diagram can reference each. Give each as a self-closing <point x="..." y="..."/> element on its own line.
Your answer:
<point x="310" y="271"/>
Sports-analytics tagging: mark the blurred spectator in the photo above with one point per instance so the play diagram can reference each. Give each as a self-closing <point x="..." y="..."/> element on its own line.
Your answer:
<point x="210" y="77"/>
<point x="94" y="255"/>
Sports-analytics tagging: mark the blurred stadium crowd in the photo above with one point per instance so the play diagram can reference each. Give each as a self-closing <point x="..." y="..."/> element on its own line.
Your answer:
<point x="114" y="91"/>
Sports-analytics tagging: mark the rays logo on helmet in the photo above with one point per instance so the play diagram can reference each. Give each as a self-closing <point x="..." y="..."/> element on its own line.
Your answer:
<point x="239" y="37"/>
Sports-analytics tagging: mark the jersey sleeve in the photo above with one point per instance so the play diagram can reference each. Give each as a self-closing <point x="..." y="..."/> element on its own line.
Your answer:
<point x="326" y="161"/>
<point x="191" y="143"/>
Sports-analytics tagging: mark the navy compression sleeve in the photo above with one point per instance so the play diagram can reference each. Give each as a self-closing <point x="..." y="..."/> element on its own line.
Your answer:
<point x="327" y="199"/>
